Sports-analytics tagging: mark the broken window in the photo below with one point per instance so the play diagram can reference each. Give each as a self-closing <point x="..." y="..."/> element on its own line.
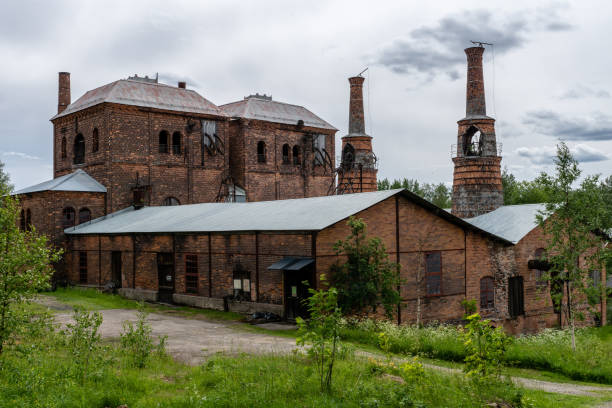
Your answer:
<point x="516" y="305"/>
<point x="285" y="154"/>
<point x="79" y="149"/>
<point x="163" y="141"/>
<point x="539" y="273"/>
<point x="433" y="273"/>
<point x="84" y="215"/>
<point x="63" y="148"/>
<point x="95" y="142"/>
<point x="235" y="194"/>
<point x="318" y="146"/>
<point x="261" y="152"/>
<point x="242" y="283"/>
<point x="68" y="217"/>
<point x="472" y="142"/>
<point x="168" y="201"/>
<point x="210" y="140"/>
<point x="487" y="294"/>
<point x="296" y="155"/>
<point x="191" y="273"/>
<point x="176" y="143"/>
<point x="82" y="267"/>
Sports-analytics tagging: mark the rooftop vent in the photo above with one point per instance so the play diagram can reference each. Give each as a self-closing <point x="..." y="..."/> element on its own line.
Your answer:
<point x="258" y="96"/>
<point x="145" y="78"/>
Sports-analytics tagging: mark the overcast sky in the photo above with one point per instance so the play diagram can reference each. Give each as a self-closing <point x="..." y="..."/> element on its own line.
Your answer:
<point x="547" y="77"/>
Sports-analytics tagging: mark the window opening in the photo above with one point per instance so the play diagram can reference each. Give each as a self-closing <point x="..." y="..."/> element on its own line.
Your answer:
<point x="22" y="220"/>
<point x="191" y="273"/>
<point x="63" y="148"/>
<point x="84" y="215"/>
<point x="163" y="141"/>
<point x="261" y="152"/>
<point x="79" y="149"/>
<point x="516" y="306"/>
<point x="28" y="219"/>
<point x="171" y="201"/>
<point x="285" y="154"/>
<point x="176" y="143"/>
<point x="540" y="274"/>
<point x="83" y="267"/>
<point x="296" y="155"/>
<point x="433" y="273"/>
<point x="242" y="282"/>
<point x="487" y="293"/>
<point x="472" y="142"/>
<point x="318" y="145"/>
<point x="68" y="217"/>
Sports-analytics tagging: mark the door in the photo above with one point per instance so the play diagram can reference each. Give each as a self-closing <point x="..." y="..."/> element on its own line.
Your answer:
<point x="165" y="273"/>
<point x="296" y="293"/>
<point x="116" y="269"/>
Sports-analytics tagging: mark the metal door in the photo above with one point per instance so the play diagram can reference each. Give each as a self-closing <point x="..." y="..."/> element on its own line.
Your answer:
<point x="165" y="273"/>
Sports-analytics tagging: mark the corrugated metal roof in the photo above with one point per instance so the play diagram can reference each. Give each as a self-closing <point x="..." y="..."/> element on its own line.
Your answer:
<point x="145" y="94"/>
<point x="77" y="181"/>
<point x="304" y="214"/>
<point x="511" y="222"/>
<point x="273" y="111"/>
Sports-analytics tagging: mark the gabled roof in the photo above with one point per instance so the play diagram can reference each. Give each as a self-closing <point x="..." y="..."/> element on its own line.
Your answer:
<point x="257" y="108"/>
<point x="77" y="181"/>
<point x="145" y="94"/>
<point x="302" y="214"/>
<point x="511" y="222"/>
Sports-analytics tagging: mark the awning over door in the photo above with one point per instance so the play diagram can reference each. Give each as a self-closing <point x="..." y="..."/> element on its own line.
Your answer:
<point x="291" y="263"/>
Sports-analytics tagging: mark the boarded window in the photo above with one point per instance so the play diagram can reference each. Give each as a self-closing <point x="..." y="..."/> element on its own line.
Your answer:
<point x="83" y="267"/>
<point x="68" y="217"/>
<point x="285" y="154"/>
<point x="84" y="215"/>
<point x="171" y="201"/>
<point x="487" y="293"/>
<point x="95" y="141"/>
<point x="261" y="152"/>
<point x="191" y="273"/>
<point x="176" y="143"/>
<point x="79" y="149"/>
<point x="516" y="305"/>
<point x="433" y="273"/>
<point x="296" y="155"/>
<point x="318" y="145"/>
<point x="163" y="141"/>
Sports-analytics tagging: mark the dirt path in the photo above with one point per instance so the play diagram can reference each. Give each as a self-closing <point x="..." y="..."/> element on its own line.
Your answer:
<point x="192" y="341"/>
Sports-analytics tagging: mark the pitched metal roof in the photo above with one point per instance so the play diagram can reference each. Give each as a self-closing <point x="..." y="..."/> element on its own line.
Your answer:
<point x="511" y="222"/>
<point x="257" y="108"/>
<point x="302" y="214"/>
<point x="145" y="94"/>
<point x="77" y="181"/>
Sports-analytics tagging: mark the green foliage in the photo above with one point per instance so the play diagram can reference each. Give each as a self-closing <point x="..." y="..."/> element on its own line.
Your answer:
<point x="485" y="348"/>
<point x="321" y="331"/>
<point x="469" y="306"/>
<point x="367" y="278"/>
<point x="83" y="341"/>
<point x="24" y="264"/>
<point x="523" y="192"/>
<point x="438" y="194"/>
<point x="137" y="341"/>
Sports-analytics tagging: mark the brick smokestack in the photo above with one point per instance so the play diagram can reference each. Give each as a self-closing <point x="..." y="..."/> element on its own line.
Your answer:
<point x="63" y="95"/>
<point x="356" y="120"/>
<point x="475" y="97"/>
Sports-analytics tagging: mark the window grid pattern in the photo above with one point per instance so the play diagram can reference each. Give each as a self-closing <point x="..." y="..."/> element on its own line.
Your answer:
<point x="191" y="273"/>
<point x="433" y="273"/>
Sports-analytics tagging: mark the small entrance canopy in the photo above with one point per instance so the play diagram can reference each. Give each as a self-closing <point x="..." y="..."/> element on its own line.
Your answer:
<point x="291" y="263"/>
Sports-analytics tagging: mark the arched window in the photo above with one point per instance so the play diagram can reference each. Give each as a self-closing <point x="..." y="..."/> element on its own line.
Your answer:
<point x="540" y="273"/>
<point x="261" y="152"/>
<point x="285" y="154"/>
<point x="22" y="221"/>
<point x="171" y="201"/>
<point x="296" y="155"/>
<point x="472" y="142"/>
<point x="176" y="143"/>
<point x="84" y="215"/>
<point x="28" y="219"/>
<point x="79" y="149"/>
<point x="68" y="217"/>
<point x="63" y="148"/>
<point x="163" y="141"/>
<point x="487" y="294"/>
<point x="95" y="141"/>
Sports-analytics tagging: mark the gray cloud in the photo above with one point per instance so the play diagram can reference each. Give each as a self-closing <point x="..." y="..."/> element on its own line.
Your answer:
<point x="21" y="155"/>
<point x="435" y="50"/>
<point x="596" y="127"/>
<point x="545" y="154"/>
<point x="583" y="91"/>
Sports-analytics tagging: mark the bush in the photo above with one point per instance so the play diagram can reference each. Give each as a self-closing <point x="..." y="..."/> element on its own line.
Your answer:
<point x="485" y="347"/>
<point x="137" y="341"/>
<point x="84" y="342"/>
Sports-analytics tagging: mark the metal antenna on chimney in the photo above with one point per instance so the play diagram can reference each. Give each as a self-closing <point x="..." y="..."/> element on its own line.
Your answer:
<point x="359" y="74"/>
<point x="480" y="43"/>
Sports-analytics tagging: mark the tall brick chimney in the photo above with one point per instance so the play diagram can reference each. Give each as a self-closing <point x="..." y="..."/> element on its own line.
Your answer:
<point x="475" y="93"/>
<point x="63" y="95"/>
<point x="477" y="184"/>
<point x="358" y="167"/>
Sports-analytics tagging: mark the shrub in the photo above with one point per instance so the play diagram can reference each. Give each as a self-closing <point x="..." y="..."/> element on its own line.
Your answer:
<point x="84" y="342"/>
<point x="485" y="348"/>
<point x="137" y="341"/>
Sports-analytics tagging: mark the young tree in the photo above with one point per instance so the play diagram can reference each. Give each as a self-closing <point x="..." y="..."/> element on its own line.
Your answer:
<point x="570" y="218"/>
<point x="367" y="279"/>
<point x="25" y="262"/>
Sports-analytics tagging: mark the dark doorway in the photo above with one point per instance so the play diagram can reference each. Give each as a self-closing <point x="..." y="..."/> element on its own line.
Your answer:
<point x="165" y="273"/>
<point x="116" y="268"/>
<point x="296" y="292"/>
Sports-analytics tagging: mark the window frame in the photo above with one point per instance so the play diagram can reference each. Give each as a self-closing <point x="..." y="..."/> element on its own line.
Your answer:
<point x="261" y="152"/>
<point x="286" y="154"/>
<point x="79" y="153"/>
<point x="83" y="276"/>
<point x="241" y="275"/>
<point x="433" y="274"/>
<point x="65" y="220"/>
<point x="177" y="143"/>
<point x="167" y="202"/>
<point x="296" y="151"/>
<point x="82" y="210"/>
<point x="489" y="291"/>
<point x="191" y="271"/>
<point x="537" y="273"/>
<point x="163" y="148"/>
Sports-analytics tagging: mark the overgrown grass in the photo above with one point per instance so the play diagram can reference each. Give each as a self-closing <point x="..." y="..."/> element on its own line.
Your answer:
<point x="549" y="350"/>
<point x="37" y="372"/>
